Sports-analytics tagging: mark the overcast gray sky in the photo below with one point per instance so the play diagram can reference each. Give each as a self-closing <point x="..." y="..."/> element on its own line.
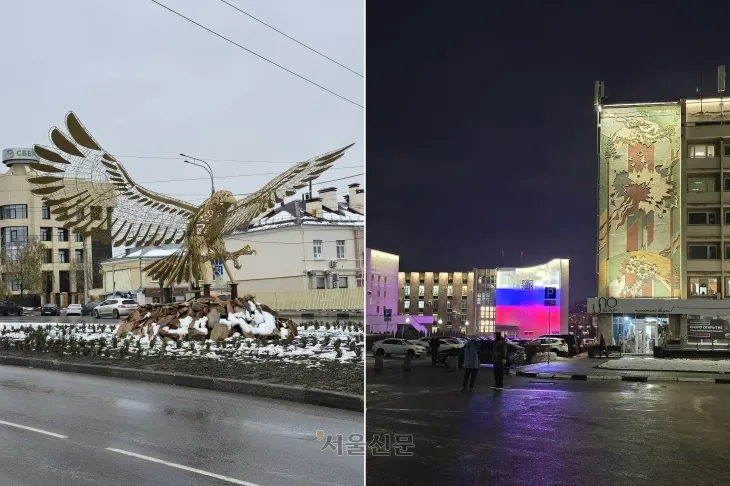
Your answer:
<point x="147" y="83"/>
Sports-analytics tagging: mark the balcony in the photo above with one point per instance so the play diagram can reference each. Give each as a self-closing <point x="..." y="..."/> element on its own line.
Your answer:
<point x="704" y="132"/>
<point x="703" y="231"/>
<point x="713" y="266"/>
<point x="703" y="164"/>
<point x="702" y="198"/>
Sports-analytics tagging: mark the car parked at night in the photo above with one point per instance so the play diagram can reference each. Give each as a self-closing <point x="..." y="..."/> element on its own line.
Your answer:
<point x="397" y="346"/>
<point x="574" y="344"/>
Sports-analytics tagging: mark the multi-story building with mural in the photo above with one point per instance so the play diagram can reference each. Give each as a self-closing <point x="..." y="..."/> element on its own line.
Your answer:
<point x="663" y="263"/>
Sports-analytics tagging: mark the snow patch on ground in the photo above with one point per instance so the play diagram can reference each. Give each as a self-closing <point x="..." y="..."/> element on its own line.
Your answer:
<point x="674" y="364"/>
<point x="543" y="358"/>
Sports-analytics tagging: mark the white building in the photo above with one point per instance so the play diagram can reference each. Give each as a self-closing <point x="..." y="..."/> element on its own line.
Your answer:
<point x="382" y="290"/>
<point x="315" y="243"/>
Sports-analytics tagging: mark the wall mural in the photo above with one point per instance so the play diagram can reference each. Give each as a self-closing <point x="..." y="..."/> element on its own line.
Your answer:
<point x="639" y="252"/>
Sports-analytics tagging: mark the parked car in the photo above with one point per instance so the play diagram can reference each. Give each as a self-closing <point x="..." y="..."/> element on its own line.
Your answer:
<point x="8" y="307"/>
<point x="88" y="308"/>
<point x="115" y="307"/>
<point x="573" y="343"/>
<point x="398" y="346"/>
<point x="515" y="353"/>
<point x="555" y="345"/>
<point x="74" y="310"/>
<point x="446" y="342"/>
<point x="424" y="341"/>
<point x="50" y="310"/>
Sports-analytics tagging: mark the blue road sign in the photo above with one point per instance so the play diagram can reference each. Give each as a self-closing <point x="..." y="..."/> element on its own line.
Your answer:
<point x="387" y="312"/>
<point x="218" y="269"/>
<point x="551" y="296"/>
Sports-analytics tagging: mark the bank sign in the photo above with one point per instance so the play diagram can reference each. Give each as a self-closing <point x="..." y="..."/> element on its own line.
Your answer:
<point x="10" y="154"/>
<point x="708" y="328"/>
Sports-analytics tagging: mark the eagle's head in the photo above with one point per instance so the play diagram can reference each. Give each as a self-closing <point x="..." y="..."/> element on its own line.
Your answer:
<point x="223" y="200"/>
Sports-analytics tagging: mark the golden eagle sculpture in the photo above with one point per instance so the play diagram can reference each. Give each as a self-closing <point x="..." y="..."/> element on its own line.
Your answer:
<point x="91" y="192"/>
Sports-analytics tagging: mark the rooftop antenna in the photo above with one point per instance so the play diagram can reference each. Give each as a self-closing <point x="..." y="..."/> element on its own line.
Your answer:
<point x="699" y="89"/>
<point x="721" y="80"/>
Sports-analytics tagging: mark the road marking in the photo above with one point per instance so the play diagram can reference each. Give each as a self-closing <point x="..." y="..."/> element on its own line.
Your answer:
<point x="57" y="436"/>
<point x="184" y="468"/>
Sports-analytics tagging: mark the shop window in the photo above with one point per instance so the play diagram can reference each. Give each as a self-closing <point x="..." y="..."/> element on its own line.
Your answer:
<point x="701" y="151"/>
<point x="703" y="252"/>
<point x="703" y="286"/>
<point x="702" y="184"/>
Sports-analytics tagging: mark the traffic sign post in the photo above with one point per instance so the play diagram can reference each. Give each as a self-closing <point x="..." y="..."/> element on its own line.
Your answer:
<point x="218" y="272"/>
<point x="551" y="295"/>
<point x="387" y="314"/>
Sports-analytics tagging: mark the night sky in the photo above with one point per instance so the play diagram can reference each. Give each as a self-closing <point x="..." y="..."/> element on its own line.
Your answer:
<point x="481" y="127"/>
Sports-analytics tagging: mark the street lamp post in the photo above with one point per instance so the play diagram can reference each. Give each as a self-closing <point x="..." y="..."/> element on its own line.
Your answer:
<point x="207" y="167"/>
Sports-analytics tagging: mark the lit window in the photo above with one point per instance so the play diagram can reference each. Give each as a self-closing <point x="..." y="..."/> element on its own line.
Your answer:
<point x="701" y="184"/>
<point x="420" y="290"/>
<point x="420" y="306"/>
<point x="317" y="248"/>
<point x="407" y="305"/>
<point x="701" y="151"/>
<point x="464" y="290"/>
<point x="699" y="286"/>
<point x="449" y="290"/>
<point x="407" y="290"/>
<point x="436" y="288"/>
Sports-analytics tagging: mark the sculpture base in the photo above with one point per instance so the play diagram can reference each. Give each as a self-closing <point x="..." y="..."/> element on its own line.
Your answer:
<point x="206" y="290"/>
<point x="234" y="290"/>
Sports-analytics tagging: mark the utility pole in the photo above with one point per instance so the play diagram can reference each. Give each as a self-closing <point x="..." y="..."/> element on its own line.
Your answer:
<point x="85" y="263"/>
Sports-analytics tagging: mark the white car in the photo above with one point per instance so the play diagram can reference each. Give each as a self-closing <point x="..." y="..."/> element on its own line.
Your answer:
<point x="446" y="343"/>
<point x="424" y="341"/>
<point x="399" y="347"/>
<point x="74" y="310"/>
<point x="555" y="345"/>
<point x="115" y="307"/>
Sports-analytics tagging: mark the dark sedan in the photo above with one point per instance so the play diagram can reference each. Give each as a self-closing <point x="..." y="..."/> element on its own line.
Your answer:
<point x="515" y="354"/>
<point x="88" y="307"/>
<point x="50" y="310"/>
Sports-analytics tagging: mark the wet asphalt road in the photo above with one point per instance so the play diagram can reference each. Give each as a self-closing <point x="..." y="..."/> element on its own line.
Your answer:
<point x="541" y="432"/>
<point x="252" y="440"/>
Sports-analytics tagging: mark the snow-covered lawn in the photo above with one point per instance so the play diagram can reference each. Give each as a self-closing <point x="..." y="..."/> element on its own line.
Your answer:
<point x="315" y="343"/>
<point x="651" y="364"/>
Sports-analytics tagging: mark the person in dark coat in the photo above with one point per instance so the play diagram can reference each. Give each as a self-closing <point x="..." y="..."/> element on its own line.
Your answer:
<point x="602" y="347"/>
<point x="434" y="344"/>
<point x="499" y="356"/>
<point x="471" y="365"/>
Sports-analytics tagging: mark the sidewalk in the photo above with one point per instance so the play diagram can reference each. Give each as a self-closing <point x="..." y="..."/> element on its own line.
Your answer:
<point x="586" y="369"/>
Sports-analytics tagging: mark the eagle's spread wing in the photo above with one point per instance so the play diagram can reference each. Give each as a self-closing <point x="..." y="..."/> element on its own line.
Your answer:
<point x="90" y="192"/>
<point x="286" y="184"/>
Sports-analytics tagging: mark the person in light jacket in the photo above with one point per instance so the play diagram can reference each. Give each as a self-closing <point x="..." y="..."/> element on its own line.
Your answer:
<point x="471" y="365"/>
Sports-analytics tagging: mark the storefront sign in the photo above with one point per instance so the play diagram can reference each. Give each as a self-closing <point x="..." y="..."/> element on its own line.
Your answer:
<point x="707" y="328"/>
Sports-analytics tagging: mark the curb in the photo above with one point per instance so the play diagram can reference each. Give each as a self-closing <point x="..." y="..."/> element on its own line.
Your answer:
<point x="636" y="379"/>
<point x="292" y="393"/>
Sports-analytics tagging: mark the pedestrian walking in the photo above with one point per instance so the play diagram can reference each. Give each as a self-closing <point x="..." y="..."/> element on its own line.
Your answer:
<point x="471" y="365"/>
<point x="434" y="344"/>
<point x="602" y="347"/>
<point x="499" y="356"/>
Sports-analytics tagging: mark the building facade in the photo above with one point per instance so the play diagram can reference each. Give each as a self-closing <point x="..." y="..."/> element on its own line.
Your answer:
<point x="23" y="217"/>
<point x="481" y="302"/>
<point x="382" y="290"/>
<point x="308" y="244"/>
<point x="664" y="213"/>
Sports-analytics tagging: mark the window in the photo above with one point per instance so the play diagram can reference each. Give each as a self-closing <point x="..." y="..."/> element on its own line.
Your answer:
<point x="727" y="150"/>
<point x="49" y="256"/>
<point x="14" y="211"/>
<point x="377" y="309"/>
<point x="79" y="237"/>
<point x="420" y="306"/>
<point x="385" y="279"/>
<point x="463" y="306"/>
<point x="699" y="286"/>
<point x="464" y="290"/>
<point x="407" y="290"/>
<point x="701" y="151"/>
<point x="45" y="212"/>
<point x="435" y="290"/>
<point x="340" y="249"/>
<point x="435" y="306"/>
<point x="14" y="234"/>
<point x="421" y="290"/>
<point x="407" y="305"/>
<point x="13" y="285"/>
<point x="449" y="307"/>
<point x="63" y="256"/>
<point x="79" y="256"/>
<point x="726" y="186"/>
<point x="320" y="282"/>
<point x="702" y="218"/>
<point x="701" y="184"/>
<point x="703" y="252"/>
<point x="46" y="234"/>
<point x="317" y="248"/>
<point x="449" y="290"/>
<point x="62" y="234"/>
